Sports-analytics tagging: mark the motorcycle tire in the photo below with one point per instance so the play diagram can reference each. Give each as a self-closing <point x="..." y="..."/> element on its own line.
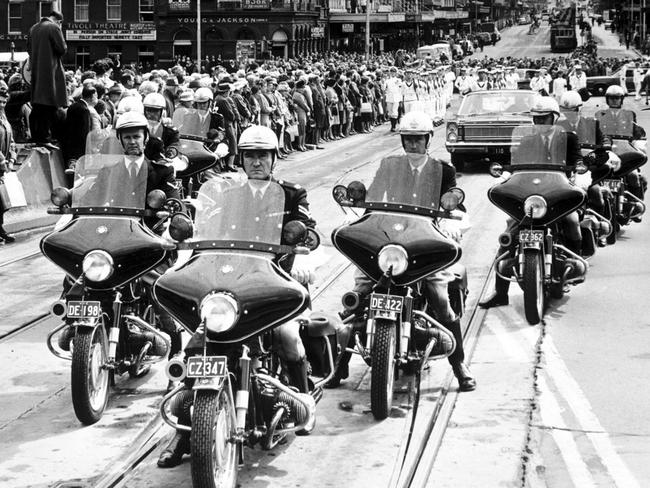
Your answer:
<point x="214" y="454"/>
<point x="89" y="381"/>
<point x="382" y="371"/>
<point x="533" y="287"/>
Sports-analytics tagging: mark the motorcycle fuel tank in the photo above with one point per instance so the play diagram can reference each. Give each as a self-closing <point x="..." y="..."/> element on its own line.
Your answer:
<point x="427" y="248"/>
<point x="134" y="248"/>
<point x="266" y="296"/>
<point x="561" y="196"/>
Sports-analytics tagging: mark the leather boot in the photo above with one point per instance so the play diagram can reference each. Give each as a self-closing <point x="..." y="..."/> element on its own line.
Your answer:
<point x="342" y="371"/>
<point x="172" y="455"/>
<point x="466" y="381"/>
<point x="500" y="295"/>
<point x="65" y="337"/>
<point x="297" y="373"/>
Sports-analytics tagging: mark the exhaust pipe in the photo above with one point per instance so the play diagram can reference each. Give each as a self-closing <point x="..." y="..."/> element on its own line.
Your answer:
<point x="505" y="239"/>
<point x="58" y="308"/>
<point x="351" y="300"/>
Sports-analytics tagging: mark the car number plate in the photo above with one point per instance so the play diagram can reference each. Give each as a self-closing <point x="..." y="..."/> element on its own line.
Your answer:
<point x="386" y="306"/>
<point x="207" y="366"/>
<point x="613" y="185"/>
<point x="531" y="238"/>
<point x="83" y="310"/>
<point x="496" y="150"/>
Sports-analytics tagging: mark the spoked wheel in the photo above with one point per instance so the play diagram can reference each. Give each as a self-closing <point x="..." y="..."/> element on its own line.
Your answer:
<point x="89" y="377"/>
<point x="214" y="451"/>
<point x="533" y="286"/>
<point x="382" y="373"/>
<point x="271" y="439"/>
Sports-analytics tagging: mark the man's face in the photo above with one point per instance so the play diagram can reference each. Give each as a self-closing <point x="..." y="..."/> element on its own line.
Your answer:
<point x="414" y="144"/>
<point x="133" y="141"/>
<point x="543" y="119"/>
<point x="3" y="103"/>
<point x="153" y="114"/>
<point x="202" y="106"/>
<point x="258" y="164"/>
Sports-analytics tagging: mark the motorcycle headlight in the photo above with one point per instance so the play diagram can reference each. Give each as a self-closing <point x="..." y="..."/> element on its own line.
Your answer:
<point x="98" y="266"/>
<point x="395" y="256"/>
<point x="535" y="206"/>
<point x="219" y="312"/>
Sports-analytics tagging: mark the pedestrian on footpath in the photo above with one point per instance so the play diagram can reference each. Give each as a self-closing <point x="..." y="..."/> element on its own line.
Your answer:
<point x="46" y="47"/>
<point x="637" y="78"/>
<point x="7" y="157"/>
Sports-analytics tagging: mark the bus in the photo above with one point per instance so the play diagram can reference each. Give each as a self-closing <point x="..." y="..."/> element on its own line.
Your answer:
<point x="563" y="31"/>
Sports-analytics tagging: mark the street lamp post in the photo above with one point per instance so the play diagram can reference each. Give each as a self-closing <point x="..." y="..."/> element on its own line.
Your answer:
<point x="198" y="35"/>
<point x="368" y="3"/>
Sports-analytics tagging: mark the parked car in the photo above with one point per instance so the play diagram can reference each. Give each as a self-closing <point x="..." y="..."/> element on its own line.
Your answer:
<point x="483" y="126"/>
<point x="523" y="20"/>
<point x="597" y="85"/>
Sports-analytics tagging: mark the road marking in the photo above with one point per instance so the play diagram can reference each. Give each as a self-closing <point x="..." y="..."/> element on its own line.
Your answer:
<point x="569" y="388"/>
<point x="549" y="410"/>
<point x="511" y="348"/>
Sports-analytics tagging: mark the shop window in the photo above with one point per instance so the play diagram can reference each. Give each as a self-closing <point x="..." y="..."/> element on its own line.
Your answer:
<point x="44" y="9"/>
<point x="145" y="56"/>
<point x="81" y="10"/>
<point x="14" y="17"/>
<point x="146" y="10"/>
<point x="113" y="10"/>
<point x="82" y="57"/>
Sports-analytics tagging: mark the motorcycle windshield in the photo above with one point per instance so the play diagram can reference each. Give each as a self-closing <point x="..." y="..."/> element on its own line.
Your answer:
<point x="410" y="185"/>
<point x="618" y="124"/>
<point x="191" y="122"/>
<point x="104" y="180"/>
<point x="103" y="141"/>
<point x="240" y="210"/>
<point x="539" y="145"/>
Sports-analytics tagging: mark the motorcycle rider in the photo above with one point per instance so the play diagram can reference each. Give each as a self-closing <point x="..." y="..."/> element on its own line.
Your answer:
<point x="158" y="125"/>
<point x="416" y="131"/>
<point x="545" y="111"/>
<point x="635" y="181"/>
<point x="258" y="146"/>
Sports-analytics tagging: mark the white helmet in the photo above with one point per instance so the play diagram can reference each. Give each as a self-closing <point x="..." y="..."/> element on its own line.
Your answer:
<point x="203" y="94"/>
<point x="615" y="91"/>
<point x="416" y="124"/>
<point x="154" y="100"/>
<point x="570" y="100"/>
<point x="186" y="96"/>
<point x="130" y="104"/>
<point x="130" y="120"/>
<point x="545" y="106"/>
<point x="258" y="137"/>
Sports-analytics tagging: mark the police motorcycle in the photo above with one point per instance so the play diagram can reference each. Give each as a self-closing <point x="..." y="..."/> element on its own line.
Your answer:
<point x="201" y="149"/>
<point x="106" y="251"/>
<point x="537" y="195"/>
<point x="230" y="293"/>
<point x="619" y="126"/>
<point x="397" y="238"/>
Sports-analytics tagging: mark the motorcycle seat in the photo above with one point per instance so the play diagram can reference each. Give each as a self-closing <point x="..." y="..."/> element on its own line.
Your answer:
<point x="321" y="324"/>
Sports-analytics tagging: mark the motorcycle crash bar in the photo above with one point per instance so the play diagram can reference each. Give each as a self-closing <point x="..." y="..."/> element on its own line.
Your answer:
<point x="144" y="325"/>
<point x="580" y="259"/>
<point x="163" y="409"/>
<point x="59" y="353"/>
<point x="514" y="278"/>
<point x="305" y="400"/>
<point x="433" y="322"/>
<point x="639" y="202"/>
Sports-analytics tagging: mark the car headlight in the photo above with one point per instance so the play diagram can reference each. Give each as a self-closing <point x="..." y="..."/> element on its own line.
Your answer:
<point x="393" y="256"/>
<point x="98" y="265"/>
<point x="219" y="312"/>
<point x="452" y="132"/>
<point x="535" y="206"/>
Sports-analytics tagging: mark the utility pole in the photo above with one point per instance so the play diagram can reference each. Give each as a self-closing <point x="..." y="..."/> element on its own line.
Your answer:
<point x="198" y="35"/>
<point x="368" y="4"/>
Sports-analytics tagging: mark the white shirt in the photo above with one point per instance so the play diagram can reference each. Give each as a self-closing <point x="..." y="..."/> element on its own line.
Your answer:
<point x="393" y="90"/>
<point x="129" y="160"/>
<point x="578" y="81"/>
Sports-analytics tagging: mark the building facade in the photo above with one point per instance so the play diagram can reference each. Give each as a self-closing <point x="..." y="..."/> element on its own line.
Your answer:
<point x="16" y="18"/>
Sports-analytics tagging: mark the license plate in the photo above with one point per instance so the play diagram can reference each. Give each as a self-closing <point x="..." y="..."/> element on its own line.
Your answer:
<point x="83" y="310"/>
<point x="496" y="150"/>
<point x="206" y="366"/>
<point x="531" y="238"/>
<point x="613" y="185"/>
<point x="386" y="306"/>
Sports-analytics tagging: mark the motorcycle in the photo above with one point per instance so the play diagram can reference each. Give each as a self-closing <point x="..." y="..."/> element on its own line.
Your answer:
<point x="230" y="294"/>
<point x="202" y="150"/>
<point x="632" y="153"/>
<point x="106" y="252"/>
<point x="396" y="239"/>
<point x="537" y="195"/>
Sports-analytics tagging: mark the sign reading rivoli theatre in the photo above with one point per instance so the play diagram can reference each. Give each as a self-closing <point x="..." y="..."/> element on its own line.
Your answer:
<point x="109" y="31"/>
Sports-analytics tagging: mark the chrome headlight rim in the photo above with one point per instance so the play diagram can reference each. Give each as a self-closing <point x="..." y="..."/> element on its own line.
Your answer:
<point x="226" y="319"/>
<point x="98" y="265"/>
<point x="537" y="204"/>
<point x="393" y="255"/>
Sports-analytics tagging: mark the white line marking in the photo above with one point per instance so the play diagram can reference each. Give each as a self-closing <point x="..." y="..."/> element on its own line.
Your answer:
<point x="511" y="348"/>
<point x="549" y="410"/>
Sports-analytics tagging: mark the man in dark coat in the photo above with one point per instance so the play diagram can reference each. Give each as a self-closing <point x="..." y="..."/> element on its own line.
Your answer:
<point x="46" y="47"/>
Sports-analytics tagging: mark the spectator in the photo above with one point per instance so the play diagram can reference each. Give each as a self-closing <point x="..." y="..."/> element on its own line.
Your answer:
<point x="46" y="46"/>
<point x="7" y="157"/>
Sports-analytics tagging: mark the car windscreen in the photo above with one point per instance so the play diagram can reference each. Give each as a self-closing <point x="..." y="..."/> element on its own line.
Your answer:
<point x="496" y="102"/>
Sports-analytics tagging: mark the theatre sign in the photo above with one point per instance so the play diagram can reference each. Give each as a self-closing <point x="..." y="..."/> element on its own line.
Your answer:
<point x="109" y="31"/>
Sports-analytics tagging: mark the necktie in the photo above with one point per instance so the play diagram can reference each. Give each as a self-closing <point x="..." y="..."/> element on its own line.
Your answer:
<point x="133" y="170"/>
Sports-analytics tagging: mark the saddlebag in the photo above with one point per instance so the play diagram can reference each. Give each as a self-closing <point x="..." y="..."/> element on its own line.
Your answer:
<point x="321" y="329"/>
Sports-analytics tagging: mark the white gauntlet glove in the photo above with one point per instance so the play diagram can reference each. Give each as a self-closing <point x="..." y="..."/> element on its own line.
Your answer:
<point x="614" y="161"/>
<point x="222" y="150"/>
<point x="302" y="270"/>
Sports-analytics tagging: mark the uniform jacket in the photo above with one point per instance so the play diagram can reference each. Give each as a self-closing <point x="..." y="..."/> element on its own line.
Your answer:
<point x="46" y="46"/>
